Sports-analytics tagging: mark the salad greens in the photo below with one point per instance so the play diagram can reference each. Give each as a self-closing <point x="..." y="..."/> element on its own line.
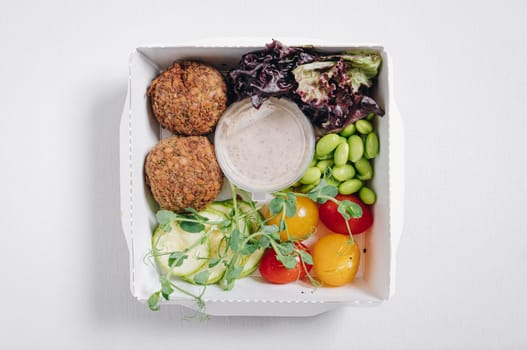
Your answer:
<point x="359" y="69"/>
<point x="267" y="73"/>
<point x="332" y="90"/>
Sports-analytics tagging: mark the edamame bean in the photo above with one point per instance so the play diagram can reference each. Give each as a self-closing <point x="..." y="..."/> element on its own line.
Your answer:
<point x="324" y="164"/>
<point x="343" y="172"/>
<point x="370" y="116"/>
<point x="341" y="154"/>
<point x="363" y="126"/>
<point x="311" y="176"/>
<point x="342" y="140"/>
<point x="324" y="157"/>
<point x="371" y="148"/>
<point x="313" y="163"/>
<point x="307" y="188"/>
<point x="330" y="180"/>
<point x="350" y="186"/>
<point x="348" y="130"/>
<point x="327" y="144"/>
<point x="364" y="169"/>
<point x="367" y="195"/>
<point x="356" y="148"/>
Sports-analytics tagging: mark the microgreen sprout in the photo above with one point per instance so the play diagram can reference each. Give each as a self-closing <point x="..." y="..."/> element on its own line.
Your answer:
<point x="323" y="193"/>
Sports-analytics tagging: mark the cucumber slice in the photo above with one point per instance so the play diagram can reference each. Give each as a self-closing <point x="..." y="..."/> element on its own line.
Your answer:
<point x="223" y="207"/>
<point x="244" y="207"/>
<point x="250" y="262"/>
<point x="207" y="249"/>
<point x="217" y="245"/>
<point x="254" y="217"/>
<point x="215" y="212"/>
<point x="177" y="240"/>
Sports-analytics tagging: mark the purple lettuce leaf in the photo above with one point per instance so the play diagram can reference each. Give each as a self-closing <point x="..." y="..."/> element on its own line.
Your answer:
<point x="267" y="73"/>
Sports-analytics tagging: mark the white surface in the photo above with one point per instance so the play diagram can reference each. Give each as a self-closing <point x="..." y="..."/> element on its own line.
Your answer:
<point x="460" y="77"/>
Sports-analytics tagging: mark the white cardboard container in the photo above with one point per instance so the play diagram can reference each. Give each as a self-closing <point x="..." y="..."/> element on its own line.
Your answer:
<point x="139" y="132"/>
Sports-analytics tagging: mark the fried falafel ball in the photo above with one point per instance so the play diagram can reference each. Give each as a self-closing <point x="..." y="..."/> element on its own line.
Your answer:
<point x="188" y="98"/>
<point x="182" y="172"/>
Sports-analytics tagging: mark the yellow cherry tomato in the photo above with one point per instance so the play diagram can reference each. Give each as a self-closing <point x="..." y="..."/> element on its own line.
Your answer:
<point x="302" y="224"/>
<point x="335" y="259"/>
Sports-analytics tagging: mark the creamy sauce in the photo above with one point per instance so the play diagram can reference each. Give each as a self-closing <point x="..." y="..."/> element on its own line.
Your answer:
<point x="264" y="149"/>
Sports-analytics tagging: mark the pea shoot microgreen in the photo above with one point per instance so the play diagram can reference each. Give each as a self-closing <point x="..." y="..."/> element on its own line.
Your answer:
<point x="244" y="232"/>
<point x="176" y="259"/>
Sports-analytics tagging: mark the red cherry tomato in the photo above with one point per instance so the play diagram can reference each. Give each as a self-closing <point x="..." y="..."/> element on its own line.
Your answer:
<point x="333" y="220"/>
<point x="274" y="271"/>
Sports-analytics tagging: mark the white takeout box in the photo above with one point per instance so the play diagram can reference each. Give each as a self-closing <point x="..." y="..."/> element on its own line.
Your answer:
<point x="139" y="132"/>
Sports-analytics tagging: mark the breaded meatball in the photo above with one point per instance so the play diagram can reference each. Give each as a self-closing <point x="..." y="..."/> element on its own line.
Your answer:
<point x="188" y="98"/>
<point x="182" y="172"/>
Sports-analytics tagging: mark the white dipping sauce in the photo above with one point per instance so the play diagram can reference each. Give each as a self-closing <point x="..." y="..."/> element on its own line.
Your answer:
<point x="265" y="149"/>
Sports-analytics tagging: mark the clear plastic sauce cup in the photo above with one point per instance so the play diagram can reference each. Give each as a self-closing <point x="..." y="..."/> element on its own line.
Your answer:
<point x="266" y="149"/>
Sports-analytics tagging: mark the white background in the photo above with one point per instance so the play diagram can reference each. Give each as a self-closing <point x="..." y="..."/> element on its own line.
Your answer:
<point x="460" y="77"/>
